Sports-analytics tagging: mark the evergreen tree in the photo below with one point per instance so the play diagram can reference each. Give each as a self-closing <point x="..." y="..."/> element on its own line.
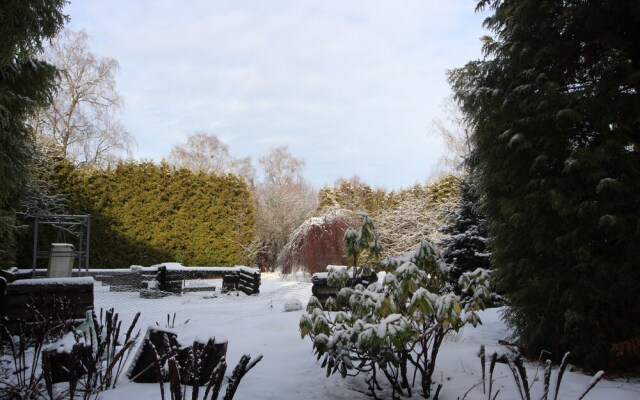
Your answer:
<point x="145" y="213"/>
<point x="355" y="195"/>
<point x="555" y="107"/>
<point x="465" y="247"/>
<point x="25" y="84"/>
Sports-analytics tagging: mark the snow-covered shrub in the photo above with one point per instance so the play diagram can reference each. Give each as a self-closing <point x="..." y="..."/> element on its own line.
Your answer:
<point x="363" y="242"/>
<point x="20" y="353"/>
<point x="393" y="327"/>
<point x="417" y="214"/>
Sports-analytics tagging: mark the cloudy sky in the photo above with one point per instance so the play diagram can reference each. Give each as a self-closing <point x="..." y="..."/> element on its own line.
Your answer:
<point x="351" y="86"/>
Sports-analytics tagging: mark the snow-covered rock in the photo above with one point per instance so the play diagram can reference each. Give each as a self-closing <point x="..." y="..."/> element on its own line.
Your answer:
<point x="292" y="305"/>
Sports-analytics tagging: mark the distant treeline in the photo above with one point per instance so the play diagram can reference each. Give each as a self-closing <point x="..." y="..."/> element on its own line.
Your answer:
<point x="146" y="213"/>
<point x="143" y="213"/>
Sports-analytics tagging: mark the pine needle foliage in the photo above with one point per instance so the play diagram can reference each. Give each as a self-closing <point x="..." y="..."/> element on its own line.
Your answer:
<point x="25" y="84"/>
<point x="145" y="213"/>
<point x="555" y="107"/>
<point x="465" y="247"/>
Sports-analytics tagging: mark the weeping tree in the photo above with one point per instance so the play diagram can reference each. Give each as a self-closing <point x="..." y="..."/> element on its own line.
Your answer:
<point x="555" y="108"/>
<point x="316" y="243"/>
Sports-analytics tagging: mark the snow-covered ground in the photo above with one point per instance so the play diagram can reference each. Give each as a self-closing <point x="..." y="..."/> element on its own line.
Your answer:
<point x="259" y="325"/>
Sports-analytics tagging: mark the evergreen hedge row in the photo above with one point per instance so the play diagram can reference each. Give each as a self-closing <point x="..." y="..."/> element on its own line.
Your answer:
<point x="145" y="213"/>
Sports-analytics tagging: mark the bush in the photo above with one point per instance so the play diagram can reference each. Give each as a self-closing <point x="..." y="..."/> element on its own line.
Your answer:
<point x="395" y="327"/>
<point x="92" y="359"/>
<point x="147" y="213"/>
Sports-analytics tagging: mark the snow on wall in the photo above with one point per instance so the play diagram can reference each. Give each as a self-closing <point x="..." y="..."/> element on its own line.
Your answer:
<point x="171" y="266"/>
<point x="85" y="280"/>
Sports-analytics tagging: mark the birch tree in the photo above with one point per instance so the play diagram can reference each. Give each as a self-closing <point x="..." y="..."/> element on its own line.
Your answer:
<point x="455" y="133"/>
<point x="284" y="200"/>
<point x="205" y="152"/>
<point x="81" y="122"/>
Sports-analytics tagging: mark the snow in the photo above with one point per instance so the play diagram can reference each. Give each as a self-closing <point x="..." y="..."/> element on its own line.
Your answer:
<point x="174" y="266"/>
<point x="258" y="325"/>
<point x="171" y="266"/>
<point x="340" y="271"/>
<point x="87" y="280"/>
<point x="292" y="305"/>
<point x="64" y="345"/>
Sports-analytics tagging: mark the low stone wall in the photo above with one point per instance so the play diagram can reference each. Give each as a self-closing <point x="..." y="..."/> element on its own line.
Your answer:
<point x="245" y="280"/>
<point x="322" y="291"/>
<point x="133" y="279"/>
<point x="57" y="298"/>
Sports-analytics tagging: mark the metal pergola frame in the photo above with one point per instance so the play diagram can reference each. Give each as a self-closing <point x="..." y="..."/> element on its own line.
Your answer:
<point x="61" y="221"/>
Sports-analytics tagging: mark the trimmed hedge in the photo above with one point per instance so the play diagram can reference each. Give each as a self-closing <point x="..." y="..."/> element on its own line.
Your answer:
<point x="147" y="213"/>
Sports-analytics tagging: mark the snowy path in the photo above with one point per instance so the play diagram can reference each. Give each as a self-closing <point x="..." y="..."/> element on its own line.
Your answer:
<point x="253" y="325"/>
<point x="258" y="325"/>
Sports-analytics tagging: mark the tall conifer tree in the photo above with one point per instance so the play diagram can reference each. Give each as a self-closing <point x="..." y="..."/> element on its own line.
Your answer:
<point x="555" y="106"/>
<point x="465" y="247"/>
<point x="25" y="84"/>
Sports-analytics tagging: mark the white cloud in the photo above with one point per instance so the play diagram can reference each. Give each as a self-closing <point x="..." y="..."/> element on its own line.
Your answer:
<point x="351" y="86"/>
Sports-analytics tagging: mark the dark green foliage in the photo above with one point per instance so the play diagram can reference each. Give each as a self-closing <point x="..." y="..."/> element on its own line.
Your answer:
<point x="25" y="25"/>
<point x="465" y="249"/>
<point x="202" y="218"/>
<point x="555" y="108"/>
<point x="144" y="213"/>
<point x="25" y="84"/>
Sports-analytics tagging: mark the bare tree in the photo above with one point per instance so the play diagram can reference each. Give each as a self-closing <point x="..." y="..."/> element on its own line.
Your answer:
<point x="41" y="192"/>
<point x="418" y="215"/>
<point x="206" y="152"/>
<point x="81" y="121"/>
<point x="281" y="168"/>
<point x="455" y="134"/>
<point x="284" y="200"/>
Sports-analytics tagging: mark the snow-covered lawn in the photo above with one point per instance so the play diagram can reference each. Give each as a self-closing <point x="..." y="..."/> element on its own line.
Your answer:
<point x="258" y="325"/>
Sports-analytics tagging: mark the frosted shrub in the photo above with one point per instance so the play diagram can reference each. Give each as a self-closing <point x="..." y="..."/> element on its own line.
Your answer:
<point x="393" y="328"/>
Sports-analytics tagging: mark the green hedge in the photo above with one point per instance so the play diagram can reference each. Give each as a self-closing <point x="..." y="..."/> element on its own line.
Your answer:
<point x="146" y="213"/>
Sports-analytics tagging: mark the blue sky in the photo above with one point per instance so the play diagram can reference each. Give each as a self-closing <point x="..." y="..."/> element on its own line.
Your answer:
<point x="350" y="86"/>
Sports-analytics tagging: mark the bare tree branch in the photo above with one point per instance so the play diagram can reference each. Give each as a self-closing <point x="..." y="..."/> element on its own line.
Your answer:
<point x="418" y="215"/>
<point x="81" y="120"/>
<point x="284" y="200"/>
<point x="206" y="152"/>
<point x="455" y="133"/>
